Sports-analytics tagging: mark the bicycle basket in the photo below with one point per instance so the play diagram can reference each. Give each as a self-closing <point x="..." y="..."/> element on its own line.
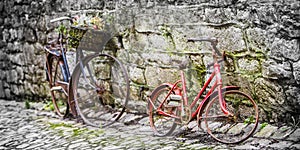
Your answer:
<point x="88" y="39"/>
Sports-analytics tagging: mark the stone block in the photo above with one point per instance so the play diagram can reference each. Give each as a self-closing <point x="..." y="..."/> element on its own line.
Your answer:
<point x="137" y="106"/>
<point x="266" y="132"/>
<point x="157" y="42"/>
<point x="282" y="133"/>
<point x="12" y="76"/>
<point x="7" y="93"/>
<point x="250" y="66"/>
<point x="13" y="34"/>
<point x="30" y="35"/>
<point x="1" y="6"/>
<point x="280" y="145"/>
<point x="18" y="59"/>
<point x="135" y="93"/>
<point x="256" y="39"/>
<point x="137" y="75"/>
<point x="263" y="142"/>
<point x="2" y="93"/>
<point x="160" y="59"/>
<point x="246" y="146"/>
<point x="28" y="51"/>
<point x="156" y="76"/>
<point x="274" y="70"/>
<point x="293" y="98"/>
<point x="288" y="49"/>
<point x="5" y="34"/>
<point x="296" y="71"/>
<point x="16" y="90"/>
<point x="295" y="146"/>
<point x="271" y="96"/>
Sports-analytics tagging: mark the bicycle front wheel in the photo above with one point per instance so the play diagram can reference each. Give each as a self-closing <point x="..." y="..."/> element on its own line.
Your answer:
<point x="101" y="89"/>
<point x="236" y="128"/>
<point x="162" y="125"/>
<point x="58" y="84"/>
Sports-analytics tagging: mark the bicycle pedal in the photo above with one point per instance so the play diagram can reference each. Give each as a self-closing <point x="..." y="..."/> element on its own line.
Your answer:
<point x="56" y="88"/>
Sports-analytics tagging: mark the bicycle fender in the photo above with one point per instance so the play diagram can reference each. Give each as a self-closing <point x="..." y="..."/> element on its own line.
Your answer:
<point x="177" y="90"/>
<point x="230" y="88"/>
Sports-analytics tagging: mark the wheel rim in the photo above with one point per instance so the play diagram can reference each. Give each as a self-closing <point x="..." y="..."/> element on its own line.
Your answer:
<point x="232" y="129"/>
<point x="102" y="96"/>
<point x="59" y="98"/>
<point x="161" y="125"/>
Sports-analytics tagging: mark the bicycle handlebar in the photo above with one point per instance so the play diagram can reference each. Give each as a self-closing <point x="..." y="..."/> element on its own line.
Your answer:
<point x="213" y="41"/>
<point x="61" y="19"/>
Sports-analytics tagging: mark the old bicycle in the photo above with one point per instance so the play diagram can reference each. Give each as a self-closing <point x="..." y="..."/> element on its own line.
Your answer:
<point x="97" y="91"/>
<point x="230" y="116"/>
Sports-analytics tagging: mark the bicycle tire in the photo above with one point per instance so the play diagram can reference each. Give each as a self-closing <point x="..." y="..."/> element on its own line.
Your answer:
<point x="56" y="74"/>
<point x="160" y="124"/>
<point x="232" y="129"/>
<point x="101" y="89"/>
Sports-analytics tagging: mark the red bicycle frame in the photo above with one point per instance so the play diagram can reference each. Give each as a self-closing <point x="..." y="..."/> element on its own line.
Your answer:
<point x="176" y="90"/>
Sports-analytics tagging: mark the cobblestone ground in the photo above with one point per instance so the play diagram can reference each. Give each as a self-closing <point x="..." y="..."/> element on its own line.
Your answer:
<point x="34" y="128"/>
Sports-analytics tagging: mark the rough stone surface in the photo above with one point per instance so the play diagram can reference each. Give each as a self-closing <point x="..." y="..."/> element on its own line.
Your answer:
<point x="261" y="38"/>
<point x="266" y="132"/>
<point x="36" y="128"/>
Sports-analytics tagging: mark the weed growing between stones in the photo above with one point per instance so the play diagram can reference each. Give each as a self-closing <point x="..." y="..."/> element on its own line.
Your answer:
<point x="263" y="125"/>
<point x="27" y="104"/>
<point x="49" y="106"/>
<point x="65" y="128"/>
<point x="56" y="125"/>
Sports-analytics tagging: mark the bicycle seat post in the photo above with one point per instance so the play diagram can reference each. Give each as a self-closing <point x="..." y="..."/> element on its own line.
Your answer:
<point x="214" y="42"/>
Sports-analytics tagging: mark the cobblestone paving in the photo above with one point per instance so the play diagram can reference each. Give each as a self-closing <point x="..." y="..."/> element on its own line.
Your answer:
<point x="33" y="128"/>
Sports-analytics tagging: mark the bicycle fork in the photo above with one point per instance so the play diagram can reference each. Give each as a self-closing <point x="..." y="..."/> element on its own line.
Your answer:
<point x="219" y="88"/>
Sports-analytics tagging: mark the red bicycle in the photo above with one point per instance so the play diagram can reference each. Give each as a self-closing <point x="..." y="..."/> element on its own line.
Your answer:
<point x="230" y="116"/>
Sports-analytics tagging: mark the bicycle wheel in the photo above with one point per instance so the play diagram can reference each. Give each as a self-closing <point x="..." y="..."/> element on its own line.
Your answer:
<point x="236" y="128"/>
<point x="58" y="83"/>
<point x="101" y="89"/>
<point x="162" y="125"/>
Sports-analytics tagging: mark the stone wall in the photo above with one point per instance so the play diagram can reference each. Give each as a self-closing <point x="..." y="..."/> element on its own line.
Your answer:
<point x="261" y="39"/>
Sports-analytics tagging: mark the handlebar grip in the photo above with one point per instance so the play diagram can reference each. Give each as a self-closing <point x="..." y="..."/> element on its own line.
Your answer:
<point x="61" y="19"/>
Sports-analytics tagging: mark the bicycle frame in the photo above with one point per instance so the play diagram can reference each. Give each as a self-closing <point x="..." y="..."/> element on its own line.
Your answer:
<point x="216" y="85"/>
<point x="59" y="49"/>
<point x="66" y="84"/>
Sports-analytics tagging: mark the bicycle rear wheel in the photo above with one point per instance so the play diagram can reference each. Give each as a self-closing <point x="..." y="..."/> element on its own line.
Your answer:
<point x="101" y="89"/>
<point x="162" y="125"/>
<point x="236" y="128"/>
<point x="58" y="83"/>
